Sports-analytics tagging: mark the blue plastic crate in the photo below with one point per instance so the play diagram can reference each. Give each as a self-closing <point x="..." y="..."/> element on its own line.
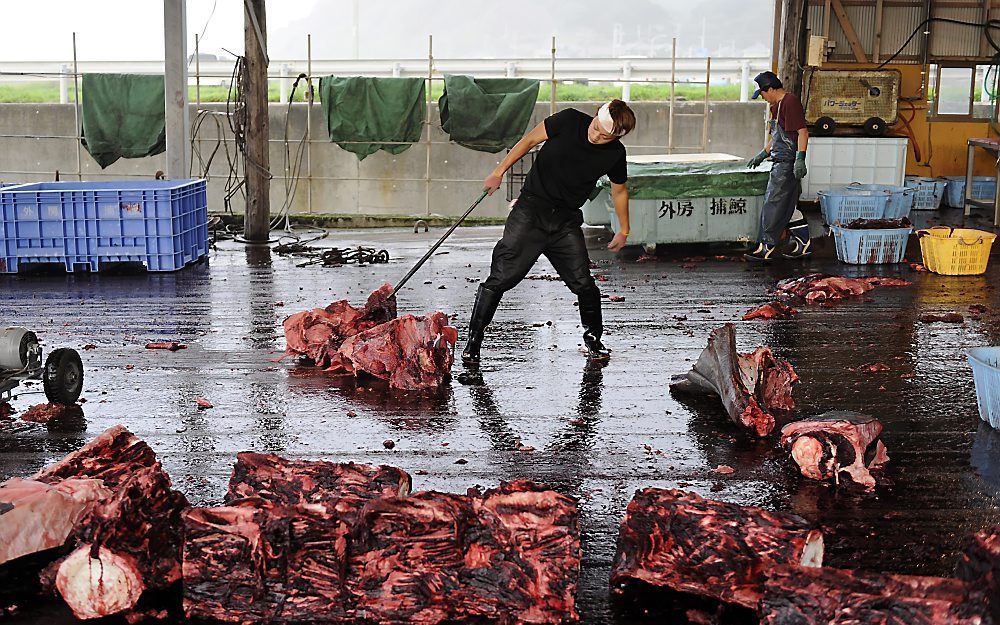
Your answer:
<point x="985" y="363"/>
<point x="928" y="192"/>
<point x="983" y="187"/>
<point x="870" y="247"/>
<point x="162" y="224"/>
<point x="841" y="205"/>
<point x="901" y="198"/>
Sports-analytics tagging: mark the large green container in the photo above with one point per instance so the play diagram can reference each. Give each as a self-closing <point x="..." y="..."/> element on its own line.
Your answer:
<point x="686" y="202"/>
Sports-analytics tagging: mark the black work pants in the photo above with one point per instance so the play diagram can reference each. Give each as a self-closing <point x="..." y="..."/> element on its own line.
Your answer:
<point x="780" y="200"/>
<point x="535" y="228"/>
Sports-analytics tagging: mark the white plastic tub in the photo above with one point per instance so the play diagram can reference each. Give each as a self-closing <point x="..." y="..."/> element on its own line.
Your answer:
<point x="839" y="161"/>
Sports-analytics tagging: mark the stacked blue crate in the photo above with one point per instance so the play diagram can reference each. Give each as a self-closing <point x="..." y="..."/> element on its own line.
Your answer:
<point x="162" y="224"/>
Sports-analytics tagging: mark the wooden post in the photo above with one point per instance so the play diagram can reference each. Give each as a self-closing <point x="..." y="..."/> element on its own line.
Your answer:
<point x="791" y="55"/>
<point x="256" y="220"/>
<point x="877" y="44"/>
<point x="175" y="89"/>
<point x="776" y="35"/>
<point x="827" y="11"/>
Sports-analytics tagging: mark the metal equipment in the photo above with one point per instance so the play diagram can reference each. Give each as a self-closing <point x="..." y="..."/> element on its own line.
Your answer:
<point x="21" y="359"/>
<point x="458" y="222"/>
<point x="851" y="98"/>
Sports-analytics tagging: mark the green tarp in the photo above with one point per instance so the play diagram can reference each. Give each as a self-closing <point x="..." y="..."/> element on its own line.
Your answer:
<point x="487" y="114"/>
<point x="678" y="181"/>
<point x="363" y="112"/>
<point x="122" y="116"/>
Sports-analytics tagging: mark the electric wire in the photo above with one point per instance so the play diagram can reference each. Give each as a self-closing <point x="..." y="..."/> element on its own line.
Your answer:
<point x="990" y="76"/>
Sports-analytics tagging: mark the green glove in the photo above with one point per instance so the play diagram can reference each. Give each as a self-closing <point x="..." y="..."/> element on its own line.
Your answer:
<point x="755" y="162"/>
<point x="799" y="169"/>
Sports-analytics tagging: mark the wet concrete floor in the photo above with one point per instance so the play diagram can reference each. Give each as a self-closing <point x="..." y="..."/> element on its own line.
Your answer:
<point x="598" y="434"/>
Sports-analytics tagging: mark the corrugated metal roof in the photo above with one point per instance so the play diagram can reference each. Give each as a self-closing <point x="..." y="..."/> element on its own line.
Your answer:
<point x="898" y="24"/>
<point x="815" y="23"/>
<point x="956" y="40"/>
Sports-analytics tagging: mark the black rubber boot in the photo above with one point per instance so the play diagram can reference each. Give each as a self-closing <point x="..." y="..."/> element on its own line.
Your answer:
<point x="487" y="301"/>
<point x="590" y="319"/>
<point x="763" y="254"/>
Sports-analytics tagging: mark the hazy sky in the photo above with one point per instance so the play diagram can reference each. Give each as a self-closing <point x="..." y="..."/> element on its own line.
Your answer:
<point x="132" y="29"/>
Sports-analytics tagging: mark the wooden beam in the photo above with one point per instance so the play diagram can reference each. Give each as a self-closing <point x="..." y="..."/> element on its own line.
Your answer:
<point x="852" y="36"/>
<point x="877" y="45"/>
<point x="776" y="36"/>
<point x="893" y="3"/>
<point x="258" y="210"/>
<point x="826" y="18"/>
<point x="175" y="83"/>
<point x="791" y="57"/>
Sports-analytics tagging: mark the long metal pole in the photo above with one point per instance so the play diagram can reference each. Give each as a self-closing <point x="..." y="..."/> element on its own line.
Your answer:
<point x="420" y="263"/>
<point x="552" y="79"/>
<point x="430" y="84"/>
<point x="673" y="92"/>
<point x="76" y="111"/>
<point x="311" y="96"/>
<point x="704" y="121"/>
<point x="197" y="75"/>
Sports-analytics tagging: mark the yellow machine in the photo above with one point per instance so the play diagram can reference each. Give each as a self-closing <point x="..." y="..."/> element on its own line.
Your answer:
<point x="865" y="98"/>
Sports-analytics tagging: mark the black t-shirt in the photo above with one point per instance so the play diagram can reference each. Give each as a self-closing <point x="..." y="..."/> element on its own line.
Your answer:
<point x="568" y="165"/>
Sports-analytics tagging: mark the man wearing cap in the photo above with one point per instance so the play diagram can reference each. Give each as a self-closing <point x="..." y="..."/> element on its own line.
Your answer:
<point x="786" y="147"/>
<point x="546" y="218"/>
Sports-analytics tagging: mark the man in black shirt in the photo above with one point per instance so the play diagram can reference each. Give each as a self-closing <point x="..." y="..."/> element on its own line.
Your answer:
<point x="546" y="219"/>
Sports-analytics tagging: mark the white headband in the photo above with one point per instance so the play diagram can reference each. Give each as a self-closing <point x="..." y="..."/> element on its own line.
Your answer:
<point x="605" y="120"/>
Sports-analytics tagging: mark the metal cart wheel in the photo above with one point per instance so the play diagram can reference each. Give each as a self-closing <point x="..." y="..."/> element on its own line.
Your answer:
<point x="62" y="378"/>
<point x="875" y="127"/>
<point x="824" y="126"/>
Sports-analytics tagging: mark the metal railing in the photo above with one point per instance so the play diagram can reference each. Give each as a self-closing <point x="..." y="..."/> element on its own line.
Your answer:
<point x="622" y="72"/>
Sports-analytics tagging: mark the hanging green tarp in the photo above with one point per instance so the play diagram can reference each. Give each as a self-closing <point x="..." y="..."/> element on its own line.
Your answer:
<point x="487" y="114"/>
<point x="364" y="112"/>
<point x="122" y="116"/>
<point x="678" y="181"/>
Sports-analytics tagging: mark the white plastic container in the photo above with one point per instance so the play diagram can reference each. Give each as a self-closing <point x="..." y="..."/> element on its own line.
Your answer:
<point x="839" y="161"/>
<point x="692" y="220"/>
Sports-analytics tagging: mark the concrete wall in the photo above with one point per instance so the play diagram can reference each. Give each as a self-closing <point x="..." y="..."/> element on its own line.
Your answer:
<point x="382" y="184"/>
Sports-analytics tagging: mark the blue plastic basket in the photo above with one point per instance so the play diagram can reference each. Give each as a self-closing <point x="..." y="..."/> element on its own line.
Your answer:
<point x="983" y="187"/>
<point x="985" y="363"/>
<point x="928" y="191"/>
<point x="899" y="205"/>
<point x="162" y="224"/>
<point x="870" y="247"/>
<point x="841" y="205"/>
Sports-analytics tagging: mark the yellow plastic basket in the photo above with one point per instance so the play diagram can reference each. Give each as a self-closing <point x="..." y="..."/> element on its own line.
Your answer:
<point x="955" y="251"/>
